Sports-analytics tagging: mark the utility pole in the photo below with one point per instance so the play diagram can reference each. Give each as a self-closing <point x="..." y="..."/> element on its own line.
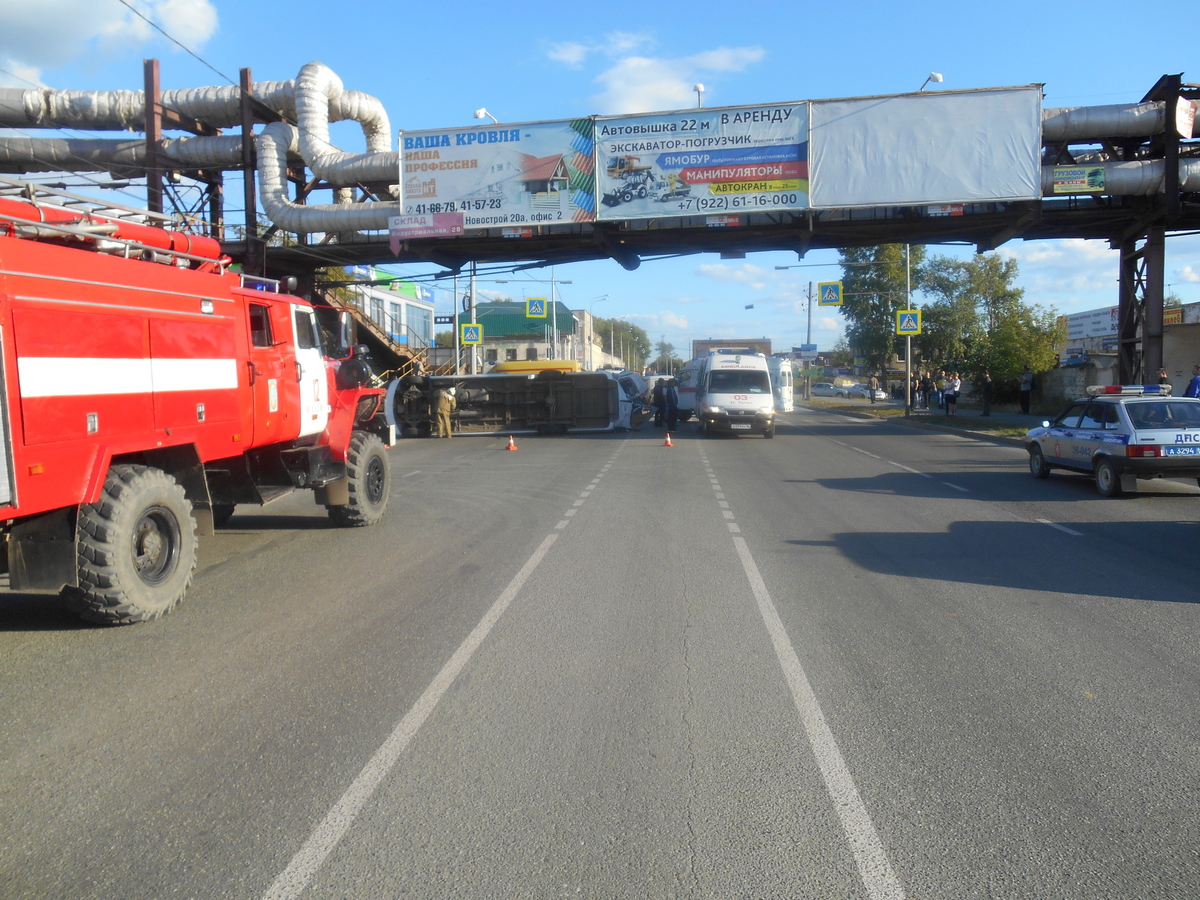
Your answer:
<point x="457" y="349"/>
<point x="553" y="317"/>
<point x="473" y="314"/>
<point x="908" y="337"/>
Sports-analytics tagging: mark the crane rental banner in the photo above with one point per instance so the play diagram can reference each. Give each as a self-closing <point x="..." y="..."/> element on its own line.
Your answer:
<point x="535" y="173"/>
<point x="695" y="162"/>
<point x="941" y="147"/>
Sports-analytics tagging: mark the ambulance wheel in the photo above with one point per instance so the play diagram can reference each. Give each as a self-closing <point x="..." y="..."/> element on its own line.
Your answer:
<point x="1108" y="482"/>
<point x="369" y="481"/>
<point x="1038" y="467"/>
<point x="136" y="548"/>
<point x="222" y="513"/>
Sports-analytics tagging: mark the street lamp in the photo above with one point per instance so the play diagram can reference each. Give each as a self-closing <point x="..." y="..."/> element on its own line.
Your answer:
<point x="699" y="89"/>
<point x="481" y="112"/>
<point x="935" y="77"/>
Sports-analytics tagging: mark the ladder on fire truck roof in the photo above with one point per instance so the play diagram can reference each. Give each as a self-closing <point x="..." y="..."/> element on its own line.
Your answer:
<point x="40" y="195"/>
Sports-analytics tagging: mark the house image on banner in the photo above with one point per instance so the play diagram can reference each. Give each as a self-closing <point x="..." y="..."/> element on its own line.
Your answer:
<point x="539" y="183"/>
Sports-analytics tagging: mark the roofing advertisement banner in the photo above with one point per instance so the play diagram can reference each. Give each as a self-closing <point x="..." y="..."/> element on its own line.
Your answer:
<point x="719" y="160"/>
<point x="939" y="147"/>
<point x="537" y="173"/>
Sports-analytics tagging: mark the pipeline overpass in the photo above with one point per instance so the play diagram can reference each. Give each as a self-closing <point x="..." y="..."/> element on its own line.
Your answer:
<point x="1128" y="174"/>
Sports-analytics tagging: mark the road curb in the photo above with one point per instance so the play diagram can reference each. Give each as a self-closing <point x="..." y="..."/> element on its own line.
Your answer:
<point x="926" y="426"/>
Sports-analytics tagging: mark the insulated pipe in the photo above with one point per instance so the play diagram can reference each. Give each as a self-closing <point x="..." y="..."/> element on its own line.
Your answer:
<point x="1091" y="123"/>
<point x="1127" y="179"/>
<point x="318" y="92"/>
<point x="274" y="144"/>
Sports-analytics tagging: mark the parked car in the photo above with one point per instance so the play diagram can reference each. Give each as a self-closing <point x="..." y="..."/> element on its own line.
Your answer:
<point x="863" y="392"/>
<point x="1119" y="434"/>
<point x="827" y="389"/>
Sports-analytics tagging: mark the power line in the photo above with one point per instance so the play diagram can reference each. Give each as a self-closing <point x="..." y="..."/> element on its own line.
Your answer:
<point x="164" y="33"/>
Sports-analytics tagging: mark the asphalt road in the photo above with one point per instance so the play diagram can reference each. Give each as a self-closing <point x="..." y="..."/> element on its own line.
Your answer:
<point x="860" y="660"/>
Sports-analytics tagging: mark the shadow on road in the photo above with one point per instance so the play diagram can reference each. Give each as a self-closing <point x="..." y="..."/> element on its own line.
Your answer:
<point x="1033" y="557"/>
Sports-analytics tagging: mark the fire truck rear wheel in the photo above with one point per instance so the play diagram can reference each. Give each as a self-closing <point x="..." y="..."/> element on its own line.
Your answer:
<point x="369" y="481"/>
<point x="136" y="548"/>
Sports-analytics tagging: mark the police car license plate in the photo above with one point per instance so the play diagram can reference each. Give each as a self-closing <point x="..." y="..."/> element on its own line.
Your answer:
<point x="745" y="426"/>
<point x="1181" y="451"/>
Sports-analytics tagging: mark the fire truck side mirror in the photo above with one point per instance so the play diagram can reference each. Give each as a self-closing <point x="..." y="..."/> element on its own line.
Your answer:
<point x="289" y="284"/>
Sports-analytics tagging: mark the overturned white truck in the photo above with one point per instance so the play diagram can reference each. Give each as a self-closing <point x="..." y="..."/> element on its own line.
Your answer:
<point x="542" y="403"/>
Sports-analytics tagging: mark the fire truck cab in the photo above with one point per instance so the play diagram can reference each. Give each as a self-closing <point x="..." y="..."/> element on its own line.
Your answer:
<point x="145" y="391"/>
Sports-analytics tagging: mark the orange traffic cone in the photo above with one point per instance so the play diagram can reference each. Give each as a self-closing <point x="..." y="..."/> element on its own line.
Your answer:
<point x="667" y="442"/>
<point x="512" y="445"/>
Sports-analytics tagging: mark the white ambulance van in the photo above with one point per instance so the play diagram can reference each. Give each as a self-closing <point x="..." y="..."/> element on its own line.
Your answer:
<point x="781" y="383"/>
<point x="733" y="394"/>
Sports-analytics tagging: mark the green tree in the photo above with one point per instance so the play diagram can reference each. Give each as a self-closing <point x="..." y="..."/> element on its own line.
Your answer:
<point x="979" y="320"/>
<point x="620" y="337"/>
<point x="874" y="284"/>
<point x="444" y="339"/>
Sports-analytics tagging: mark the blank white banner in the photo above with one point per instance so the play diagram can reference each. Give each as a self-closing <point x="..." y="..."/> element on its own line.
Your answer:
<point x="927" y="148"/>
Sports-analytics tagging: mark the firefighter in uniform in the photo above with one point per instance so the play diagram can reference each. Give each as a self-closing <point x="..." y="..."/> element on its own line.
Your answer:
<point x="444" y="404"/>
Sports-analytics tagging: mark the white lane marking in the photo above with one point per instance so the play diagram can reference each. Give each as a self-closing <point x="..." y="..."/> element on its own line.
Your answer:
<point x="308" y="860"/>
<point x="924" y="474"/>
<point x="724" y="504"/>
<point x="727" y="514"/>
<point x="873" y="865"/>
<point x="864" y="452"/>
<point x="905" y="468"/>
<point x="956" y="487"/>
<point x="570" y="512"/>
<point x="561" y="524"/>
<point x="586" y="494"/>
<point x="410" y="474"/>
<point x="720" y="496"/>
<point x="1061" y="527"/>
<point x="733" y="527"/>
<point x="579" y="503"/>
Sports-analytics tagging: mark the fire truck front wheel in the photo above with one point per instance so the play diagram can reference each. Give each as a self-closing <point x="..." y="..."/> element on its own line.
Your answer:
<point x="136" y="548"/>
<point x="368" y="480"/>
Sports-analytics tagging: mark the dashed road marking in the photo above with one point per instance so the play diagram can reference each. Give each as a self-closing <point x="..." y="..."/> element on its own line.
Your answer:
<point x="1061" y="527"/>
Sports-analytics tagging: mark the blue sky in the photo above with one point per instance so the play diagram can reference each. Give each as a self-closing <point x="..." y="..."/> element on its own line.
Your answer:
<point x="433" y="64"/>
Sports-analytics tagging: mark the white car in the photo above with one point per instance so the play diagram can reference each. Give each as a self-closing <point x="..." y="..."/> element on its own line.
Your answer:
<point x="863" y="392"/>
<point x="827" y="389"/>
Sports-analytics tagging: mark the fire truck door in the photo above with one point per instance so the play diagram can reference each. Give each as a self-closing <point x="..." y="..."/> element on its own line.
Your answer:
<point x="266" y="373"/>
<point x="310" y="372"/>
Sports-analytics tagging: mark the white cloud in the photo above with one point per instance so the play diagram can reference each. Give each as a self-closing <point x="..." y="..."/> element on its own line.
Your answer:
<point x="748" y="275"/>
<point x="1187" y="273"/>
<point x="669" y="318"/>
<point x="45" y="34"/>
<point x="569" y="53"/>
<point x="642" y="84"/>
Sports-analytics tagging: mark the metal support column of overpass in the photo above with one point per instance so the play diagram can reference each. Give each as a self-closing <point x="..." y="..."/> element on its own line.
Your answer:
<point x="1143" y="268"/>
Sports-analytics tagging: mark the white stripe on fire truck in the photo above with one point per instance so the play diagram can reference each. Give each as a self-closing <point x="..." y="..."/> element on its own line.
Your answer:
<point x="121" y="287"/>
<point x="56" y="376"/>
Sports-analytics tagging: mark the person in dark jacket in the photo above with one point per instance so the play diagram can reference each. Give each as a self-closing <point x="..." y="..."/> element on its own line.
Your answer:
<point x="671" y="402"/>
<point x="659" y="396"/>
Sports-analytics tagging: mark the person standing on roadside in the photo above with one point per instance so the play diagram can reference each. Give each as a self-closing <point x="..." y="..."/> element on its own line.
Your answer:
<point x="1163" y="377"/>
<point x="987" y="388"/>
<point x="939" y="388"/>
<point x="873" y="384"/>
<point x="953" y="383"/>
<point x="926" y="389"/>
<point x="1026" y="389"/>
<point x="1193" y="388"/>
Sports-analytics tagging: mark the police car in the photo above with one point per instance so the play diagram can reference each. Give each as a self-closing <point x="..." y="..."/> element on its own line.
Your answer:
<point x="1118" y="434"/>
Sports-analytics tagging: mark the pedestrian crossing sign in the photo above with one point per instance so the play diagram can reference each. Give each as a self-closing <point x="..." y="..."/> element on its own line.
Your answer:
<point x="535" y="307"/>
<point x="829" y="293"/>
<point x="471" y="334"/>
<point x="908" y="321"/>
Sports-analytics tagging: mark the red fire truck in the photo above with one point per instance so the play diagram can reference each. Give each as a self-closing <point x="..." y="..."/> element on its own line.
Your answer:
<point x="146" y="390"/>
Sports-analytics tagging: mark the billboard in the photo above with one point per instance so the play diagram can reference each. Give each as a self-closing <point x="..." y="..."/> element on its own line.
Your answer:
<point x="942" y="147"/>
<point x="537" y="173"/>
<point x="721" y="160"/>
